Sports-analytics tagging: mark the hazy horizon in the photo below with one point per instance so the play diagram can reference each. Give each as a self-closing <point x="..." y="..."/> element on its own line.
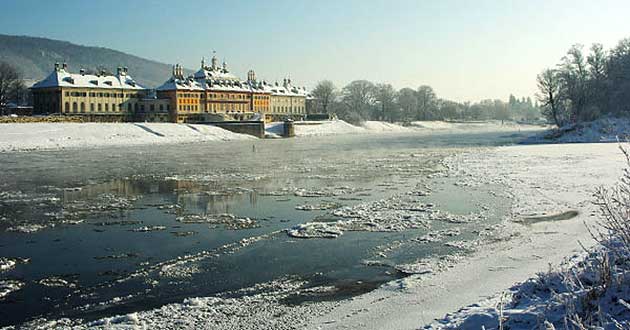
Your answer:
<point x="466" y="51"/>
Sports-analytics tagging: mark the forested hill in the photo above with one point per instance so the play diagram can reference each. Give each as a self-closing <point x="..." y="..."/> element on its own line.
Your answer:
<point x="35" y="58"/>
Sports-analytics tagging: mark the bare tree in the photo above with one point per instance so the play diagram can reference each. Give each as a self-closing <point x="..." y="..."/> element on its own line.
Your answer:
<point x="358" y="98"/>
<point x="574" y="74"/>
<point x="549" y="95"/>
<point x="385" y="96"/>
<point x="408" y="102"/>
<point x="11" y="84"/>
<point x="426" y="102"/>
<point x="324" y="93"/>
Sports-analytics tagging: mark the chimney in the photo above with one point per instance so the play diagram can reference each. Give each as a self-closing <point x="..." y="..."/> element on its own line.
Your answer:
<point x="119" y="71"/>
<point x="65" y="66"/>
<point x="56" y="66"/>
<point x="125" y="70"/>
<point x="82" y="72"/>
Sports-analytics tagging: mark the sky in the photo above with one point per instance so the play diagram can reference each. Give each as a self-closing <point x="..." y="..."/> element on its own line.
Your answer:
<point x="466" y="50"/>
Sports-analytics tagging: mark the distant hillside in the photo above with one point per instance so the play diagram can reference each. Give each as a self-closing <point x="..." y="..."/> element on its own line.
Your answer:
<point x="35" y="57"/>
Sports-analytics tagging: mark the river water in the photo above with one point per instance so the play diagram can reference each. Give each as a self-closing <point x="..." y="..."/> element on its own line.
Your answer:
<point x="92" y="233"/>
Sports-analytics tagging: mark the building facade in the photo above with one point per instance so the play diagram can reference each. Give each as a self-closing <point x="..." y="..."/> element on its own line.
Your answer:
<point x="97" y="97"/>
<point x="212" y="93"/>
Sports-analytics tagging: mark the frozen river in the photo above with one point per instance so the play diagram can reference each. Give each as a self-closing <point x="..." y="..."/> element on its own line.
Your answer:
<point x="93" y="233"/>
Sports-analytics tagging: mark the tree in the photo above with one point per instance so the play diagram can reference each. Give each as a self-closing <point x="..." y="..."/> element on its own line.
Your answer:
<point x="11" y="84"/>
<point x="385" y="96"/>
<point x="426" y="103"/>
<point x="408" y="102"/>
<point x="574" y="77"/>
<point x="358" y="98"/>
<point x="597" y="89"/>
<point x="324" y="93"/>
<point x="618" y="72"/>
<point x="549" y="95"/>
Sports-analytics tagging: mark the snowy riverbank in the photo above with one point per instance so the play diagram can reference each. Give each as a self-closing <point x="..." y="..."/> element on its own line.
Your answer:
<point x="607" y="129"/>
<point x="55" y="136"/>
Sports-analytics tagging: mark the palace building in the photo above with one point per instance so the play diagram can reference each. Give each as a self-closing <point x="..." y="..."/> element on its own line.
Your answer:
<point x="96" y="97"/>
<point x="212" y="93"/>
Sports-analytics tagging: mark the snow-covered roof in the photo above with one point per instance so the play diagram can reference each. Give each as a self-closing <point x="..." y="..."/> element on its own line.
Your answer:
<point x="286" y="89"/>
<point x="60" y="77"/>
<point x="175" y="83"/>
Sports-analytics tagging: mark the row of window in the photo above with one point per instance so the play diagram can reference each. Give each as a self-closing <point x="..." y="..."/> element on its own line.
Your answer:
<point x="81" y="107"/>
<point x="112" y="95"/>
<point x="289" y="109"/>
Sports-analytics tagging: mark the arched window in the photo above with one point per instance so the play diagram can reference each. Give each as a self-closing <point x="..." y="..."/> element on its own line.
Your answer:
<point x="129" y="107"/>
<point x="75" y="107"/>
<point x="113" y="107"/>
<point x="106" y="107"/>
<point x="82" y="106"/>
<point x="135" y="107"/>
<point x="91" y="107"/>
<point x="67" y="107"/>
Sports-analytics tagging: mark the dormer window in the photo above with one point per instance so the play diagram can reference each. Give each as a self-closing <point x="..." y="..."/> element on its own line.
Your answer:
<point x="69" y="80"/>
<point x="94" y="82"/>
<point x="109" y="83"/>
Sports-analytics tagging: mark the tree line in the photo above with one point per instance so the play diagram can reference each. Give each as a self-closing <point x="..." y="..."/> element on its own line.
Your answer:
<point x="586" y="85"/>
<point x="363" y="100"/>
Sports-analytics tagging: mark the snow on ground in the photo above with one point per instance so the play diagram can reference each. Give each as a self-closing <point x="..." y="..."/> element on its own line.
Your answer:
<point x="494" y="125"/>
<point x="578" y="293"/>
<point x="53" y="136"/>
<point x="381" y="126"/>
<point x="542" y="180"/>
<point x="320" y="128"/>
<point x="607" y="129"/>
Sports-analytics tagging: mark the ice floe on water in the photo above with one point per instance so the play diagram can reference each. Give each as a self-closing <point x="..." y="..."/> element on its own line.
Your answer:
<point x="57" y="282"/>
<point x="229" y="221"/>
<point x="146" y="229"/>
<point x="261" y="306"/>
<point x="6" y="264"/>
<point x="9" y="286"/>
<point x="315" y="230"/>
<point x="317" y="207"/>
<point x="26" y="228"/>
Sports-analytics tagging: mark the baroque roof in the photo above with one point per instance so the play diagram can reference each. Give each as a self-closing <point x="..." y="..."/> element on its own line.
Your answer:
<point x="60" y="77"/>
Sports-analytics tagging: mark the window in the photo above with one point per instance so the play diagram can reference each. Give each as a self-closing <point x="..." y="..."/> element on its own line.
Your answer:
<point x="100" y="107"/>
<point x="129" y="107"/>
<point x="67" y="107"/>
<point x="82" y="107"/>
<point x="113" y="107"/>
<point x="91" y="107"/>
<point x="106" y="107"/>
<point x="74" y="107"/>
<point x="152" y="108"/>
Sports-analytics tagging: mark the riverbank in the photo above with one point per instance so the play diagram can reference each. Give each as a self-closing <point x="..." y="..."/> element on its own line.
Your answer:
<point x="57" y="136"/>
<point x="25" y="137"/>
<point x="607" y="129"/>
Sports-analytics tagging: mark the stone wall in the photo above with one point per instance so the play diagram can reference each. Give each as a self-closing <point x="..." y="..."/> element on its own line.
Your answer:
<point x="254" y="128"/>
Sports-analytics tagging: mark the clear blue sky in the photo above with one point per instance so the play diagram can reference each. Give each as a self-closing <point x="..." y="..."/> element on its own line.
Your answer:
<point x="466" y="50"/>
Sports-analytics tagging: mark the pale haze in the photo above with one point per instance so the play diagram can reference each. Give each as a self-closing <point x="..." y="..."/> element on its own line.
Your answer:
<point x="466" y="50"/>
